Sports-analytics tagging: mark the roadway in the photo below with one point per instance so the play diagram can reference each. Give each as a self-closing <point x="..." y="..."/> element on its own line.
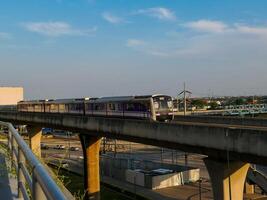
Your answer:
<point x="145" y="153"/>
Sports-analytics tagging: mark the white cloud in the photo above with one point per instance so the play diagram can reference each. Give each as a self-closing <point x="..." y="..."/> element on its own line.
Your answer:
<point x="237" y="40"/>
<point x="262" y="31"/>
<point x="4" y="35"/>
<point x="57" y="28"/>
<point x="135" y="43"/>
<point x="158" y="12"/>
<point x="112" y="18"/>
<point x="208" y="26"/>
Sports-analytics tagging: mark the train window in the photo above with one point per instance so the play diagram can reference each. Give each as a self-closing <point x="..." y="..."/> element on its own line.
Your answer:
<point x="169" y="104"/>
<point x="61" y="106"/>
<point x="96" y="107"/>
<point x="135" y="107"/>
<point x="89" y="106"/>
<point x="52" y="106"/>
<point x="156" y="105"/>
<point x="100" y="106"/>
<point x="129" y="107"/>
<point x="143" y="108"/>
<point x="79" y="106"/>
<point x="111" y="106"/>
<point x="119" y="106"/>
<point x="72" y="106"/>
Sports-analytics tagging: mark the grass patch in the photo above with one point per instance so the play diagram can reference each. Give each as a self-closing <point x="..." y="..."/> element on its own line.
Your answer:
<point x="74" y="183"/>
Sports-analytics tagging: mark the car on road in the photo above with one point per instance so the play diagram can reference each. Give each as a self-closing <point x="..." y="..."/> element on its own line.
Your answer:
<point x="60" y="146"/>
<point x="74" y="148"/>
<point x="44" y="146"/>
<point x="65" y="164"/>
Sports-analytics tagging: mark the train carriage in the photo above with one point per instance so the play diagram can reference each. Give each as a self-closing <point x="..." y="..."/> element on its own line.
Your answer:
<point x="128" y="106"/>
<point x="151" y="107"/>
<point x="31" y="106"/>
<point x="70" y="106"/>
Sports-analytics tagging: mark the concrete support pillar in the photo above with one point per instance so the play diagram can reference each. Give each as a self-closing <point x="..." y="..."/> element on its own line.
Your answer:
<point x="35" y="135"/>
<point x="91" y="148"/>
<point x="227" y="179"/>
<point x="249" y="188"/>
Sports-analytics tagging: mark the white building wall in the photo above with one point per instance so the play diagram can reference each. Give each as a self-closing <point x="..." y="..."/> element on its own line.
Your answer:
<point x="10" y="95"/>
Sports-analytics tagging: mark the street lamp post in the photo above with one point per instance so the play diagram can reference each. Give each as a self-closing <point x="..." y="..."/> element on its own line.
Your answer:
<point x="199" y="187"/>
<point x="69" y="142"/>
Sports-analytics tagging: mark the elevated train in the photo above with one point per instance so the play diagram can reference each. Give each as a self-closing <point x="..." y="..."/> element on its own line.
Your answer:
<point x="151" y="107"/>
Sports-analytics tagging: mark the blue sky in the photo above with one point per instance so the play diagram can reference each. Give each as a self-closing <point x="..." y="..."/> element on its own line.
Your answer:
<point x="74" y="48"/>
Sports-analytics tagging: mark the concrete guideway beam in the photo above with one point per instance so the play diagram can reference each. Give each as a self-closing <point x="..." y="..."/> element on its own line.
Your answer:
<point x="227" y="178"/>
<point x="35" y="135"/>
<point x="245" y="144"/>
<point x="91" y="148"/>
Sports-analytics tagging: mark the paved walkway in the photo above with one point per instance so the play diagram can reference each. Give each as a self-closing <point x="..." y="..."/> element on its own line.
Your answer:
<point x="8" y="182"/>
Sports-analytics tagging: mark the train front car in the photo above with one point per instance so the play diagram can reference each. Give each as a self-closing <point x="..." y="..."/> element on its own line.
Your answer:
<point x="163" y="107"/>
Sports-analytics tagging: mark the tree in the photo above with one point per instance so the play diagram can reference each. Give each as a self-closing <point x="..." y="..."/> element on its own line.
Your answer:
<point x="239" y="101"/>
<point x="213" y="105"/>
<point x="198" y="103"/>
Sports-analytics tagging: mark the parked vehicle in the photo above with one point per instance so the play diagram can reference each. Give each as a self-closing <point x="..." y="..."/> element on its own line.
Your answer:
<point x="65" y="164"/>
<point x="44" y="146"/>
<point x="74" y="148"/>
<point x="60" y="146"/>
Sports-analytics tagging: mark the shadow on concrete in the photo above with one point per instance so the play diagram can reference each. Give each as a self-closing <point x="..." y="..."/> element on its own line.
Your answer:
<point x="5" y="188"/>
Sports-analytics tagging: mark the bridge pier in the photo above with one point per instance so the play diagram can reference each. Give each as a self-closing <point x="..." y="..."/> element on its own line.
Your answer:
<point x="227" y="179"/>
<point x="91" y="148"/>
<point x="249" y="188"/>
<point x="35" y="135"/>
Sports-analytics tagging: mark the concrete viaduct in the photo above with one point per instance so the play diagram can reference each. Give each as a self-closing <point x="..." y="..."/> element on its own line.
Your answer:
<point x="229" y="148"/>
<point x="242" y="121"/>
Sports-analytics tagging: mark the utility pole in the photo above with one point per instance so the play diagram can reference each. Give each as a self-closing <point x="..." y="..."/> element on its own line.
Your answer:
<point x="115" y="148"/>
<point x="184" y="100"/>
<point x="184" y="92"/>
<point x="177" y="102"/>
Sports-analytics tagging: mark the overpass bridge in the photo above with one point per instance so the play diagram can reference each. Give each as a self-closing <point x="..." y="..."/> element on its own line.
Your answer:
<point x="229" y="148"/>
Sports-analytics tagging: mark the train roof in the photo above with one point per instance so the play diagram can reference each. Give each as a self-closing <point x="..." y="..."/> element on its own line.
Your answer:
<point x="95" y="100"/>
<point x="33" y="101"/>
<point x="77" y="100"/>
<point x="127" y="98"/>
<point x="122" y="98"/>
<point x="47" y="101"/>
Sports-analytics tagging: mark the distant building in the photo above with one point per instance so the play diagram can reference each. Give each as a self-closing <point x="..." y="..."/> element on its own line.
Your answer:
<point x="10" y="95"/>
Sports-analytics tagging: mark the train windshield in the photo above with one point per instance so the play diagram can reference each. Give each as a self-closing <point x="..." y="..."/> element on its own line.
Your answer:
<point x="162" y="102"/>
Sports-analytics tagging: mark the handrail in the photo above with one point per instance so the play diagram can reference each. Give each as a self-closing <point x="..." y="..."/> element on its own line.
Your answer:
<point x="40" y="182"/>
<point x="258" y="177"/>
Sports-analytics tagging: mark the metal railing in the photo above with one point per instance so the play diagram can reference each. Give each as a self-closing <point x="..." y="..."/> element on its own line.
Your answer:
<point x="34" y="182"/>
